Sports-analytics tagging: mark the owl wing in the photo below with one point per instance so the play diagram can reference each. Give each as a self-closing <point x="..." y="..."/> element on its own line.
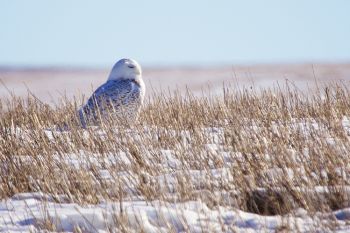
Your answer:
<point x="111" y="90"/>
<point x="112" y="94"/>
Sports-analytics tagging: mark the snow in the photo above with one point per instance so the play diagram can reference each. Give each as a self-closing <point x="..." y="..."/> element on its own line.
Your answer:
<point x="27" y="211"/>
<point x="31" y="212"/>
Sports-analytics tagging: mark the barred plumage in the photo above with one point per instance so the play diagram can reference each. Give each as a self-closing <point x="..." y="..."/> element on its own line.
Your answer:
<point x="120" y="97"/>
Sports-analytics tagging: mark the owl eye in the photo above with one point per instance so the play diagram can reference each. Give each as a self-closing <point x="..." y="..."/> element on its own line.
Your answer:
<point x="131" y="66"/>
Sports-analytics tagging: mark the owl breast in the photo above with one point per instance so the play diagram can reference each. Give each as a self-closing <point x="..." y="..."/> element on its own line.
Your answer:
<point x="119" y="99"/>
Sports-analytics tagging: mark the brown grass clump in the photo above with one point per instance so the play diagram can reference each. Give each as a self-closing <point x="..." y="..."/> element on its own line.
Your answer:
<point x="267" y="152"/>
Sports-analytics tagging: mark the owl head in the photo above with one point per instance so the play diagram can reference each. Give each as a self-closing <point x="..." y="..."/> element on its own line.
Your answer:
<point x="125" y="69"/>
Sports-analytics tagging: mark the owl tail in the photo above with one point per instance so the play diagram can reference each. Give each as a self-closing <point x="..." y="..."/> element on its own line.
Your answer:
<point x="80" y="122"/>
<point x="82" y="118"/>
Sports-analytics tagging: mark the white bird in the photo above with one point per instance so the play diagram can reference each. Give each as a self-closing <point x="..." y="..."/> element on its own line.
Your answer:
<point x="120" y="97"/>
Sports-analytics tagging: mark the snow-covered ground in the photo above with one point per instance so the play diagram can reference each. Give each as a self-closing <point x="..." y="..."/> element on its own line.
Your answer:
<point x="49" y="85"/>
<point x="31" y="212"/>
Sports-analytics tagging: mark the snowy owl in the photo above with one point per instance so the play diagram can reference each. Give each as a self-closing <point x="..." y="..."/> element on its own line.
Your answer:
<point x="120" y="97"/>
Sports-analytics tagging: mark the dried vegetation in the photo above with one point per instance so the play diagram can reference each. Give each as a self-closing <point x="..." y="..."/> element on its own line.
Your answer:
<point x="267" y="152"/>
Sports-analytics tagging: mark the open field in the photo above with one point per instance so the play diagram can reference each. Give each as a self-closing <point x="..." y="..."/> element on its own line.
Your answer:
<point x="51" y="84"/>
<point x="246" y="160"/>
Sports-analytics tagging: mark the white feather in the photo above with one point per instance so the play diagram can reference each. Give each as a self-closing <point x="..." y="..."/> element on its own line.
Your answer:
<point x="123" y="93"/>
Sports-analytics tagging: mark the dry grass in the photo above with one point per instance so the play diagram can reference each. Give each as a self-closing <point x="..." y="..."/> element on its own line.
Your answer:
<point x="257" y="138"/>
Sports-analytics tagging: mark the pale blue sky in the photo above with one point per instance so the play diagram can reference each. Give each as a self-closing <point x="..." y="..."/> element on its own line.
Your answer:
<point x="97" y="33"/>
